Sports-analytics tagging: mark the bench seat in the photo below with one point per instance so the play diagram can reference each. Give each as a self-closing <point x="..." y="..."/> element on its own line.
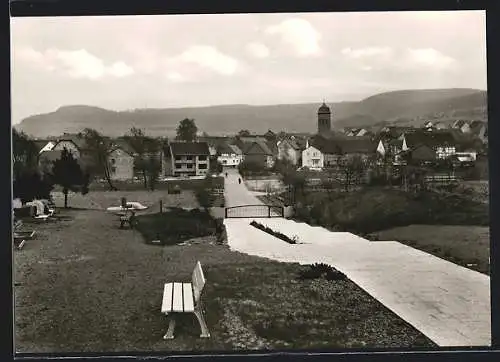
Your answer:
<point x="178" y="297"/>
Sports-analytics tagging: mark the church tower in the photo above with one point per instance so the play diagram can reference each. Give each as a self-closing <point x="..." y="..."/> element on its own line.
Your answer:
<point x="324" y="119"/>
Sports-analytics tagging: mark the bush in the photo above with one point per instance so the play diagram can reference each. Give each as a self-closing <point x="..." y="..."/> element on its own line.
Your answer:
<point x="176" y="225"/>
<point x="273" y="233"/>
<point x="320" y="270"/>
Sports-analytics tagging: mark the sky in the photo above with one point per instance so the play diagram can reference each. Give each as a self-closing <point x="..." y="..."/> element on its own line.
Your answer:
<point x="163" y="61"/>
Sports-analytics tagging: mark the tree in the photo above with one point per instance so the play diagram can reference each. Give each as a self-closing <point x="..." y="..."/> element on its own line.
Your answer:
<point x="350" y="171"/>
<point x="244" y="133"/>
<point x="99" y="147"/>
<point x="137" y="140"/>
<point x="215" y="165"/>
<point x="29" y="185"/>
<point x="296" y="183"/>
<point x="204" y="193"/>
<point x="152" y="161"/>
<point x="68" y="173"/>
<point x="187" y="130"/>
<point x="24" y="153"/>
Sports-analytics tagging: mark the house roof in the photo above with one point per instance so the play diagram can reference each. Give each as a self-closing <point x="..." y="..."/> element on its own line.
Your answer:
<point x="189" y="148"/>
<point x="460" y="123"/>
<point x="73" y="137"/>
<point x="122" y="144"/>
<point x="224" y="148"/>
<point x="256" y="148"/>
<point x="431" y="139"/>
<point x="50" y="156"/>
<point x="41" y="144"/>
<point x="344" y="145"/>
<point x="235" y="149"/>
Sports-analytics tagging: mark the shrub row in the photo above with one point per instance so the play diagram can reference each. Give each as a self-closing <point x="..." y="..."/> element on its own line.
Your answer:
<point x="176" y="225"/>
<point x="273" y="233"/>
<point x="320" y="270"/>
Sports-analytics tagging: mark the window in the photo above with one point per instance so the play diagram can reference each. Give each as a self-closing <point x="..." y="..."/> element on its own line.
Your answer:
<point x="202" y="158"/>
<point x="190" y="165"/>
<point x="202" y="167"/>
<point x="178" y="158"/>
<point x="189" y="158"/>
<point x="223" y="161"/>
<point x="113" y="161"/>
<point x="178" y="165"/>
<point x="315" y="162"/>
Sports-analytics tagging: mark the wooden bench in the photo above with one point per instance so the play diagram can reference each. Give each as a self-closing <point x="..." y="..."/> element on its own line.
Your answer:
<point x="181" y="297"/>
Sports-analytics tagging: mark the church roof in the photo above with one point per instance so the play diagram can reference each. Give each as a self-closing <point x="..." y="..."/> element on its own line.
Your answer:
<point x="324" y="108"/>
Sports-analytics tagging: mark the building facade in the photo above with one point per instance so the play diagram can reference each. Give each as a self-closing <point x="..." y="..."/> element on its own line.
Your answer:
<point x="186" y="159"/>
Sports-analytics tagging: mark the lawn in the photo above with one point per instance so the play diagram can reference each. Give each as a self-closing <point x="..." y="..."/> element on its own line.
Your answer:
<point x="468" y="246"/>
<point x="85" y="285"/>
<point x="185" y="184"/>
<point x="103" y="199"/>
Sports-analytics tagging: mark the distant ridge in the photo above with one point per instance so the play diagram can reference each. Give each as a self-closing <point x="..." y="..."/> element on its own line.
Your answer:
<point x="410" y="106"/>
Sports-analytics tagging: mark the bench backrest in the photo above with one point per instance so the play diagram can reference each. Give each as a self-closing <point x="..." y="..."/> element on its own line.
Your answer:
<point x="198" y="281"/>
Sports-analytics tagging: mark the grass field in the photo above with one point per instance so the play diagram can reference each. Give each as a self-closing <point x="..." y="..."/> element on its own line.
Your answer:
<point x="103" y="199"/>
<point x="468" y="246"/>
<point x="85" y="285"/>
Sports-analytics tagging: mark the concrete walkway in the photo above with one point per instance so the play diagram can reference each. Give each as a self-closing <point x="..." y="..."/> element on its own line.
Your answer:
<point x="446" y="302"/>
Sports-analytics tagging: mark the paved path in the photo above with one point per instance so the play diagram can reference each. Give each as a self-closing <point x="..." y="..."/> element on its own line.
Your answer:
<point x="446" y="302"/>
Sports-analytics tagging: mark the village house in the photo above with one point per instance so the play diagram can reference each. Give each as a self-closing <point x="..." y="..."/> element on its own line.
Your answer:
<point x="323" y="152"/>
<point x="258" y="152"/>
<point x="462" y="126"/>
<point x="229" y="155"/>
<point x="290" y="149"/>
<point x="186" y="159"/>
<point x="442" y="143"/>
<point x="121" y="161"/>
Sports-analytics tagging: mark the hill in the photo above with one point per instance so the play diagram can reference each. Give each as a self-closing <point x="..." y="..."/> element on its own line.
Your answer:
<point x="411" y="106"/>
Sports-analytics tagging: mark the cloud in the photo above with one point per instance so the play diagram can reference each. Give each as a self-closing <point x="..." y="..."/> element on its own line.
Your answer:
<point x="73" y="63"/>
<point x="368" y="52"/>
<point x="370" y="58"/>
<point x="257" y="50"/>
<point x="209" y="57"/>
<point x="429" y="57"/>
<point x="299" y="34"/>
<point x="176" y="77"/>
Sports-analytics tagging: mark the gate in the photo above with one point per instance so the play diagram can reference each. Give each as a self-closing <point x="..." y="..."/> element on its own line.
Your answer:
<point x="254" y="211"/>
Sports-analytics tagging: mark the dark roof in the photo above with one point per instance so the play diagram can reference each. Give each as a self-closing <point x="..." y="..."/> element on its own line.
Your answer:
<point x="50" y="155"/>
<point x="431" y="139"/>
<point x="235" y="149"/>
<point x="324" y="109"/>
<point x="256" y="148"/>
<point x="344" y="145"/>
<point x="189" y="148"/>
<point x="224" y="148"/>
<point x="78" y="141"/>
<point x="39" y="144"/>
<point x="122" y="144"/>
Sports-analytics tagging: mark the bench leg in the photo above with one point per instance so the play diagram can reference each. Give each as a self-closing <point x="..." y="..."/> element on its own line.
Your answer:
<point x="171" y="327"/>
<point x="203" y="325"/>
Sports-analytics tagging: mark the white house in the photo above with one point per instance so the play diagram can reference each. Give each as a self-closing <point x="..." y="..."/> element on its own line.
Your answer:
<point x="312" y="158"/>
<point x="229" y="155"/>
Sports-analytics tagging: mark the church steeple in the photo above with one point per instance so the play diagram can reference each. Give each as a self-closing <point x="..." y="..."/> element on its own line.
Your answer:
<point x="324" y="119"/>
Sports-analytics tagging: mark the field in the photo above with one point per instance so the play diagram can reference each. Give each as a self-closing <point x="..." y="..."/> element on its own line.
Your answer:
<point x="185" y="184"/>
<point x="99" y="200"/>
<point x="85" y="285"/>
<point x="468" y="246"/>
